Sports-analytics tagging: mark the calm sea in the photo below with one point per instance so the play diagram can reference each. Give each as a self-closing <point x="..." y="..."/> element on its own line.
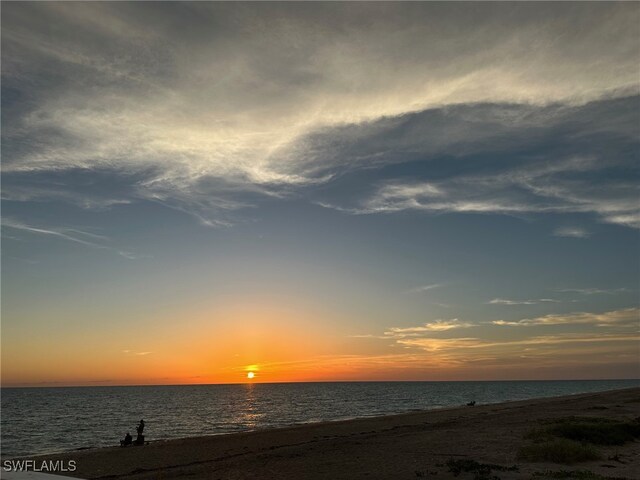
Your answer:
<point x="46" y="420"/>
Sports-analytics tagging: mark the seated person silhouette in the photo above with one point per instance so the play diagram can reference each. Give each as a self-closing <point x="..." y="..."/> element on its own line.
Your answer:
<point x="128" y="440"/>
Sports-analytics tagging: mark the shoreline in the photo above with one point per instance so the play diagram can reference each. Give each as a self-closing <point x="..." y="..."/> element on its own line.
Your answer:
<point x="311" y="423"/>
<point x="371" y="447"/>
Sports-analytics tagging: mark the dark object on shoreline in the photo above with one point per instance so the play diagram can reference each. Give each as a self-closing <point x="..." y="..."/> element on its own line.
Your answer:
<point x="128" y="440"/>
<point x="140" y="427"/>
<point x="471" y="404"/>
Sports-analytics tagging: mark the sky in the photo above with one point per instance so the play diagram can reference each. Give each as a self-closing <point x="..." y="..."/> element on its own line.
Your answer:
<point x="319" y="192"/>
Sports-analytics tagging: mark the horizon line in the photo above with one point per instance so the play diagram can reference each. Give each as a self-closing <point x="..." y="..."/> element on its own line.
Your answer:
<point x="317" y="381"/>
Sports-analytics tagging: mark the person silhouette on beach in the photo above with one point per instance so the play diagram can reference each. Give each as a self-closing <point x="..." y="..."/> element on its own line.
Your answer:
<point x="128" y="440"/>
<point x="140" y="437"/>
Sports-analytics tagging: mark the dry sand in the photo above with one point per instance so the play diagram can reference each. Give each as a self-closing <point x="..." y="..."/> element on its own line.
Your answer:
<point x="407" y="446"/>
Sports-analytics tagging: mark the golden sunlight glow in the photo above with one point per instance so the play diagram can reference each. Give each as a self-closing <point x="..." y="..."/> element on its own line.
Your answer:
<point x="250" y="375"/>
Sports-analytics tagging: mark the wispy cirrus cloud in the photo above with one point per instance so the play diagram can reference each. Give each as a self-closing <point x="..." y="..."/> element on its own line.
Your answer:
<point x="436" y="341"/>
<point x="435" y="344"/>
<point x="593" y="291"/>
<point x="627" y="316"/>
<point x="533" y="188"/>
<point x="67" y="234"/>
<point x="439" y="325"/>
<point x="571" y="232"/>
<point x="220" y="119"/>
<point x="435" y="326"/>
<point x="424" y="288"/>
<point x="17" y="191"/>
<point x="503" y="301"/>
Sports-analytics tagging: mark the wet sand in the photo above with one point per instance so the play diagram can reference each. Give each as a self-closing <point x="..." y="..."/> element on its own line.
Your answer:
<point x="407" y="446"/>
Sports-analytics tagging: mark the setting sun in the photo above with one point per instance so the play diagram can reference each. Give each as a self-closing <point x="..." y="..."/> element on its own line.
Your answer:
<point x="250" y="375"/>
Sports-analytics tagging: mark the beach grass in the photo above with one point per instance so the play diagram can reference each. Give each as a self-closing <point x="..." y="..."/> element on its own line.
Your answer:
<point x="573" y="439"/>
<point x="559" y="450"/>
<point x="597" y="431"/>
<point x="481" y="471"/>
<point x="573" y="475"/>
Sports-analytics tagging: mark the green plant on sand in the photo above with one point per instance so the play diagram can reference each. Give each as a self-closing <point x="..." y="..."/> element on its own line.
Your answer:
<point x="573" y="475"/>
<point x="609" y="433"/>
<point x="558" y="450"/>
<point x="481" y="471"/>
<point x="572" y="439"/>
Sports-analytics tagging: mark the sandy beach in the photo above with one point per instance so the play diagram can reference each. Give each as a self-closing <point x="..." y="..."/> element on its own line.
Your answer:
<point x="431" y="444"/>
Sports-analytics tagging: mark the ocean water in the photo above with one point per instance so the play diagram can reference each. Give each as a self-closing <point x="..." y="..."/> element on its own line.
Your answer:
<point x="46" y="420"/>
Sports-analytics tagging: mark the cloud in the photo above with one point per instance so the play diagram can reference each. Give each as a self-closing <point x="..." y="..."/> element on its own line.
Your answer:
<point x="242" y="106"/>
<point x="403" y="332"/>
<point x="138" y="354"/>
<point x="424" y="288"/>
<point x="67" y="234"/>
<point x="593" y="291"/>
<point x="435" y="344"/>
<point x="502" y="301"/>
<point x="17" y="192"/>
<point x="627" y="316"/>
<point x="566" y="348"/>
<point x="9" y="223"/>
<point x="566" y="186"/>
<point x="435" y="326"/>
<point x="573" y="232"/>
<point x="458" y="360"/>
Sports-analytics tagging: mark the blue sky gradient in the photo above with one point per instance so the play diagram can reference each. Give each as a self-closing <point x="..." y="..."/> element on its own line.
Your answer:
<point x="450" y="191"/>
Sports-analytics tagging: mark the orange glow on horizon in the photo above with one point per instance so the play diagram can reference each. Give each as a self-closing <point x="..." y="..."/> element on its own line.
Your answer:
<point x="221" y="347"/>
<point x="267" y="343"/>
